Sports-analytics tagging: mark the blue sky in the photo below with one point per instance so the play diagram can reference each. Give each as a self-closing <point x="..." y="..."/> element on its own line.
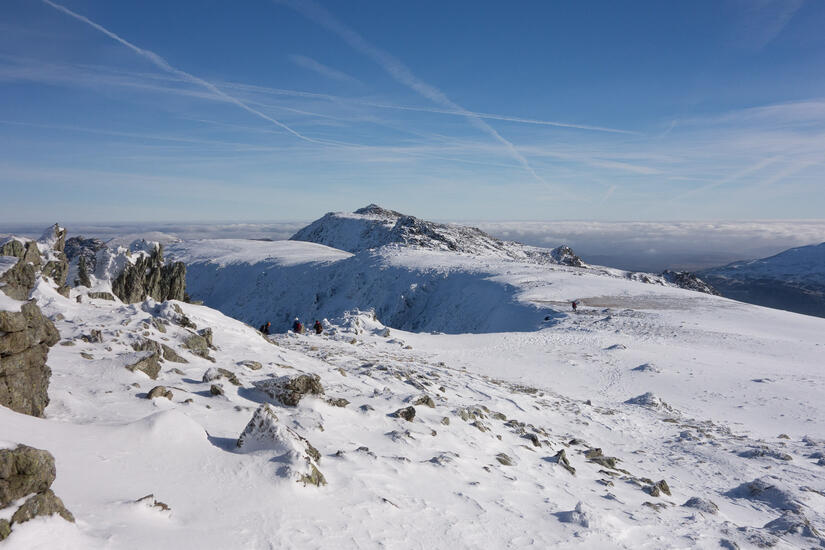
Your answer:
<point x="262" y="110"/>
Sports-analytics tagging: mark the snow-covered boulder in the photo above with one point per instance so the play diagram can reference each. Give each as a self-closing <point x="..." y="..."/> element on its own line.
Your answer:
<point x="298" y="457"/>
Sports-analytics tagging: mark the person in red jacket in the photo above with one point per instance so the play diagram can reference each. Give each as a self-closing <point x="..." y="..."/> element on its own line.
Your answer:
<point x="318" y="327"/>
<point x="297" y="327"/>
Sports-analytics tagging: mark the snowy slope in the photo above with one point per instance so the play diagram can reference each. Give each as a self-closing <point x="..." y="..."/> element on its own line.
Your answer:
<point x="652" y="417"/>
<point x="793" y="280"/>
<point x="727" y="380"/>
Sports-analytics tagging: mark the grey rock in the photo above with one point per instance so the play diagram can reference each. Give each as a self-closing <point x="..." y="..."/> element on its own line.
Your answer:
<point x="24" y="470"/>
<point x="25" y="338"/>
<point x="504" y="459"/>
<point x="150" y="501"/>
<point x="101" y="296"/>
<point x="289" y="390"/>
<point x="216" y="389"/>
<point x="41" y="504"/>
<point x="425" y="400"/>
<point x="338" y="402"/>
<point x="407" y="413"/>
<point x="148" y="364"/>
<point x="561" y="460"/>
<point x="252" y="365"/>
<point x="159" y="391"/>
<point x="149" y="277"/>
<point x="170" y="354"/>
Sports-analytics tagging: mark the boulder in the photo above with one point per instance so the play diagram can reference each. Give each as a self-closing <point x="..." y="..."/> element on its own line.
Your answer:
<point x="407" y="413"/>
<point x="24" y="470"/>
<point x="159" y="391"/>
<point x="41" y="504"/>
<point x="219" y="372"/>
<point x="170" y="354"/>
<point x="25" y="339"/>
<point x="289" y="390"/>
<point x="147" y="364"/>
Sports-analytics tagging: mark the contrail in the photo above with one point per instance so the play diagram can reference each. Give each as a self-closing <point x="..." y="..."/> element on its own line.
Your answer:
<point x="164" y="65"/>
<point x="397" y="70"/>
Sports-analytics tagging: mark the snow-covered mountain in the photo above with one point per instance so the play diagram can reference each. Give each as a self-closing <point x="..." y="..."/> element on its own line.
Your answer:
<point x="416" y="275"/>
<point x="652" y="417"/>
<point x="373" y="227"/>
<point x="793" y="280"/>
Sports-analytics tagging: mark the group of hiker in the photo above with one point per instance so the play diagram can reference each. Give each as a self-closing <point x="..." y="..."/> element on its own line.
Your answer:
<point x="297" y="327"/>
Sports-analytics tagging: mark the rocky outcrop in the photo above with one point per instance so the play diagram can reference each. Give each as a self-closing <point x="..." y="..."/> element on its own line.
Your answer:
<point x="149" y="277"/>
<point x="18" y="280"/>
<point x="26" y="471"/>
<point x="25" y="339"/>
<point x="84" y="250"/>
<point x="564" y="255"/>
<point x="44" y="257"/>
<point x="689" y="281"/>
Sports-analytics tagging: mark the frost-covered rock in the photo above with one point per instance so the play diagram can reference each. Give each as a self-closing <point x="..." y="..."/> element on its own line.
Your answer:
<point x="298" y="458"/>
<point x="769" y="490"/>
<point x="149" y="276"/>
<point x="289" y="390"/>
<point x="702" y="504"/>
<point x="578" y="516"/>
<point x="650" y="401"/>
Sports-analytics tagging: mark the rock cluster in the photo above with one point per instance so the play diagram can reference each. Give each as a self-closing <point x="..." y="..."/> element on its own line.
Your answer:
<point x="27" y="471"/>
<point x="19" y="279"/>
<point x="25" y="339"/>
<point x="149" y="277"/>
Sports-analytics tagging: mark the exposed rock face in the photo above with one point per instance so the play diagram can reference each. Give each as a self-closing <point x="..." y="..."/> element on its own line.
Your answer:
<point x="44" y="257"/>
<point x="689" y="281"/>
<point x="85" y="250"/>
<point x="25" y="470"/>
<point x="565" y="256"/>
<point x="148" y="276"/>
<point x="25" y="339"/>
<point x="290" y="389"/>
<point x="298" y="457"/>
<point x="18" y="281"/>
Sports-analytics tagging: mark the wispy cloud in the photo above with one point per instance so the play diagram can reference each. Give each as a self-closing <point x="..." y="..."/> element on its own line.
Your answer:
<point x="401" y="73"/>
<point x="323" y="70"/>
<point x="162" y="64"/>
<point x="762" y="21"/>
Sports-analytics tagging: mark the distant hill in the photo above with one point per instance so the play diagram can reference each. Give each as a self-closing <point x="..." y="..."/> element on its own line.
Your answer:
<point x="793" y="280"/>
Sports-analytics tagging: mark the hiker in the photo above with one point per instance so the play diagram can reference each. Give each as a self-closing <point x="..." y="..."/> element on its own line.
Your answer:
<point x="318" y="327"/>
<point x="265" y="328"/>
<point x="297" y="327"/>
<point x="574" y="305"/>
